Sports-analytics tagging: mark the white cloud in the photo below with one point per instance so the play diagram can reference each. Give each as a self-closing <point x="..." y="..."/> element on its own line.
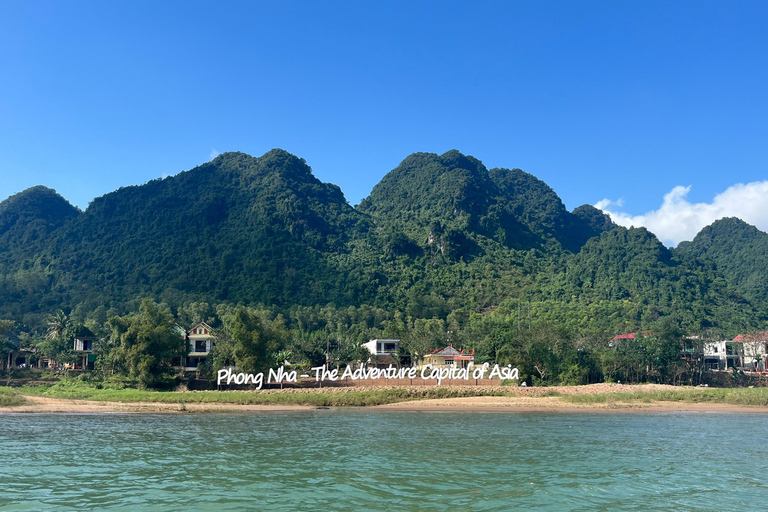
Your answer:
<point x="213" y="154"/>
<point x="605" y="204"/>
<point x="678" y="219"/>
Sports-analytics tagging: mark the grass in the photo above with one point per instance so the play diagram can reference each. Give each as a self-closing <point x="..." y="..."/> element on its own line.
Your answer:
<point x="733" y="396"/>
<point x="76" y="390"/>
<point x="10" y="398"/>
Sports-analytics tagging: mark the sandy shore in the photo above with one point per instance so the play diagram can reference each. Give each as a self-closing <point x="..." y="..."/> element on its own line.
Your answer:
<point x="37" y="404"/>
<point x="557" y="405"/>
<point x="523" y="400"/>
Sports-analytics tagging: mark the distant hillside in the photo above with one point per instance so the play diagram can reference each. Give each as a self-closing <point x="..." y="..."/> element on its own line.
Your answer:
<point x="738" y="250"/>
<point x="28" y="219"/>
<point x="238" y="228"/>
<point x="253" y="229"/>
<point x="632" y="268"/>
<point x="440" y="237"/>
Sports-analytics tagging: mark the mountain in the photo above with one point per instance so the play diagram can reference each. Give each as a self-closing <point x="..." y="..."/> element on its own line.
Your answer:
<point x="591" y="221"/>
<point x="438" y="202"/>
<point x="28" y="219"/>
<point x="238" y="228"/>
<point x="533" y="203"/>
<point x="738" y="250"/>
<point x="439" y="237"/>
<point x="453" y="203"/>
<point x="632" y="269"/>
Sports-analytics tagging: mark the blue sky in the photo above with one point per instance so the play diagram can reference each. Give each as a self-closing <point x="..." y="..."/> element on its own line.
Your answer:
<point x="610" y="103"/>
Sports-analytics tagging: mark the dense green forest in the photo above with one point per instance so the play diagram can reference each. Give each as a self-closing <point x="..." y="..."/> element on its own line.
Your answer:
<point x="738" y="251"/>
<point x="443" y="250"/>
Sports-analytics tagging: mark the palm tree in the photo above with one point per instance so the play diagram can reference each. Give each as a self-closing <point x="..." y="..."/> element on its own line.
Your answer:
<point x="6" y="347"/>
<point x="56" y="325"/>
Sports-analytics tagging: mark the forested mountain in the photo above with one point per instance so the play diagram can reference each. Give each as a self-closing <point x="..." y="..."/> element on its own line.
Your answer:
<point x="452" y="202"/>
<point x="27" y="221"/>
<point x="440" y="237"/>
<point x="238" y="228"/>
<point x="256" y="229"/>
<point x="633" y="269"/>
<point x="738" y="250"/>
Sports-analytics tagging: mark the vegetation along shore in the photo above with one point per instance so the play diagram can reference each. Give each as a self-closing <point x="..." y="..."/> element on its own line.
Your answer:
<point x="69" y="398"/>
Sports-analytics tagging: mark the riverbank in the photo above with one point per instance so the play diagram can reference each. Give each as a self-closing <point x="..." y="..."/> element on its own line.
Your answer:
<point x="590" y="398"/>
<point x="561" y="405"/>
<point x="39" y="404"/>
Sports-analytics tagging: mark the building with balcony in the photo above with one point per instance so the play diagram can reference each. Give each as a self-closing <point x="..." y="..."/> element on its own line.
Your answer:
<point x="200" y="341"/>
<point x="449" y="357"/>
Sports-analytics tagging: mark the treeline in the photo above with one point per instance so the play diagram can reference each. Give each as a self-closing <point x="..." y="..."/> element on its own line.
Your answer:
<point x="143" y="345"/>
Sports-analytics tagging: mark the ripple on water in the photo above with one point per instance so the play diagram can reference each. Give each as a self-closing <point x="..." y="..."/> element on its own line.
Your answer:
<point x="353" y="460"/>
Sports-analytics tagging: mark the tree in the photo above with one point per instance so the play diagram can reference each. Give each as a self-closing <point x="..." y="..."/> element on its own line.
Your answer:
<point x="57" y="322"/>
<point x="146" y="343"/>
<point x="58" y="344"/>
<point x="664" y="349"/>
<point x="249" y="341"/>
<point x="425" y="335"/>
<point x="6" y="347"/>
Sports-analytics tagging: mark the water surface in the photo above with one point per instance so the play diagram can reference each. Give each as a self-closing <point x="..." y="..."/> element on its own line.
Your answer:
<point x="371" y="460"/>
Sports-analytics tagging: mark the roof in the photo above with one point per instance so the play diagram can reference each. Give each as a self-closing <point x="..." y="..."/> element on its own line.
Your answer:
<point x="449" y="351"/>
<point x="631" y="336"/>
<point x="200" y="324"/>
<point x="755" y="336"/>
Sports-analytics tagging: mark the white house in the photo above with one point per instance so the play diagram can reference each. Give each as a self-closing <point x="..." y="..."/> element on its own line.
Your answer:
<point x="83" y="347"/>
<point x="748" y="351"/>
<point x="382" y="350"/>
<point x="383" y="346"/>
<point x="200" y="341"/>
<point x="721" y="355"/>
<point x="755" y="350"/>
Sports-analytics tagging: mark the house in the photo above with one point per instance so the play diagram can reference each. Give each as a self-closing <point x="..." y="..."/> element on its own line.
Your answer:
<point x="383" y="346"/>
<point x="747" y="351"/>
<point x="722" y="355"/>
<point x="382" y="351"/>
<point x="200" y="341"/>
<point x="83" y="347"/>
<point x="449" y="357"/>
<point x="755" y="350"/>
